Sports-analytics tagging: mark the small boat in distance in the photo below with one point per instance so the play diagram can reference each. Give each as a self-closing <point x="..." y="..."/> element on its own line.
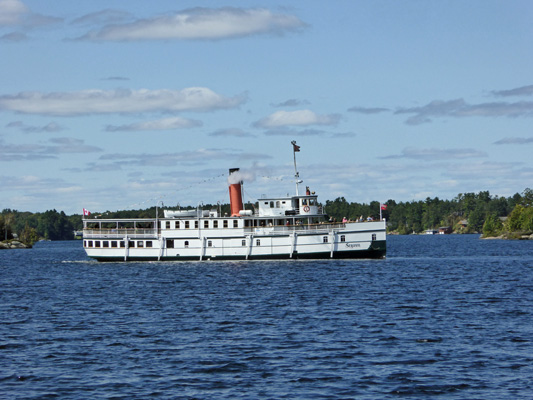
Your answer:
<point x="293" y="227"/>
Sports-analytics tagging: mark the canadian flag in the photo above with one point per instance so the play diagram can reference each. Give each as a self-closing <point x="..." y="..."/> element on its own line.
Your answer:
<point x="86" y="212"/>
<point x="383" y="206"/>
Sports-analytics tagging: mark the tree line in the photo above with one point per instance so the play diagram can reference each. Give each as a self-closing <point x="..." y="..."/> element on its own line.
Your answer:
<point x="31" y="227"/>
<point x="466" y="213"/>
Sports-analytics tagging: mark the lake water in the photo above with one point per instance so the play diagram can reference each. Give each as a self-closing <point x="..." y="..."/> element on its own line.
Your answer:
<point x="442" y="317"/>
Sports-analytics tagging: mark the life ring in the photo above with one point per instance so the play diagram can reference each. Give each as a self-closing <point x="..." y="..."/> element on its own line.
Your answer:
<point x="306" y="208"/>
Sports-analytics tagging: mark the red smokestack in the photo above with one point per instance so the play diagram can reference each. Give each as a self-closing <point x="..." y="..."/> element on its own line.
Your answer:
<point x="235" y="194"/>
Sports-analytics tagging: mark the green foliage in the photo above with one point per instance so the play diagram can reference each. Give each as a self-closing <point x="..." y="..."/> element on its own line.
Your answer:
<point x="493" y="226"/>
<point x="29" y="235"/>
<point x="527" y="198"/>
<point x="30" y="227"/>
<point x="55" y="226"/>
<point x="418" y="216"/>
<point x="520" y="219"/>
<point x="476" y="218"/>
<point x="7" y="220"/>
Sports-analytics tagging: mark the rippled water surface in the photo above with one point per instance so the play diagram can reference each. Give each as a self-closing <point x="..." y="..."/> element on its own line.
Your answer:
<point x="442" y="317"/>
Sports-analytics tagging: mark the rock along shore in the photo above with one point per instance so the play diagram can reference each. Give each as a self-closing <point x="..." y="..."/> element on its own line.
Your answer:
<point x="509" y="237"/>
<point x="13" y="244"/>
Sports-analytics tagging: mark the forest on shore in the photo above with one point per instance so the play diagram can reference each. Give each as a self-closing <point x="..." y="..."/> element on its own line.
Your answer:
<point x="493" y="216"/>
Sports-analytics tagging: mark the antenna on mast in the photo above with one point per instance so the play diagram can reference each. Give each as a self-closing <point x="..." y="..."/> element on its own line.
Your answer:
<point x="297" y="180"/>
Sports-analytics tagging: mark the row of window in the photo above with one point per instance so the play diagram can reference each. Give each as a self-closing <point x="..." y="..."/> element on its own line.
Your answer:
<point x="118" y="243"/>
<point x="277" y="204"/>
<point x="170" y="243"/>
<point x="189" y="224"/>
<point x="311" y="202"/>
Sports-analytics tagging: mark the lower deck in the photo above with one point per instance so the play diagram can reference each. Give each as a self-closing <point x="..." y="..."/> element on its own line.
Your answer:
<point x="376" y="251"/>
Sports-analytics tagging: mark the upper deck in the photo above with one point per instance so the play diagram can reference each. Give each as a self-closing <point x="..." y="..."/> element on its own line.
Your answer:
<point x="209" y="226"/>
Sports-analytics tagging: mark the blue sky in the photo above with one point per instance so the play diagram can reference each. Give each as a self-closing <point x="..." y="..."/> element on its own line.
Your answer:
<point x="122" y="104"/>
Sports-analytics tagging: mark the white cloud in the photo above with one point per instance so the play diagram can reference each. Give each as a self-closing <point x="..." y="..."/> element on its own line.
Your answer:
<point x="197" y="157"/>
<point x="71" y="145"/>
<point x="24" y="152"/>
<point x="486" y="171"/>
<point x="50" y="127"/>
<point x="116" y="78"/>
<point x="118" y="101"/>
<point x="12" y="12"/>
<point x="16" y="13"/>
<point x="520" y="91"/>
<point x="291" y="103"/>
<point x="515" y="140"/>
<point x="437" y="154"/>
<point x="30" y="182"/>
<point x="231" y="132"/>
<point x="293" y="132"/>
<point x="107" y="16"/>
<point x="13" y="37"/>
<point x="164" y="124"/>
<point x="296" y="118"/>
<point x="200" y="23"/>
<point x="368" y="110"/>
<point x="459" y="108"/>
<point x="35" y="151"/>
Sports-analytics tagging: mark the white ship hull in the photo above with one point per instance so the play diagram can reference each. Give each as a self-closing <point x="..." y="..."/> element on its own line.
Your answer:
<point x="352" y="240"/>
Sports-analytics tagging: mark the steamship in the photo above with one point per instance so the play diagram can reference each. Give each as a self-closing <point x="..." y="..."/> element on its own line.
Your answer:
<point x="292" y="227"/>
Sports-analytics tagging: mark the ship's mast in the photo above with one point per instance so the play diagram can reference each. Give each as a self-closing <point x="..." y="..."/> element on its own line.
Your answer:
<point x="297" y="180"/>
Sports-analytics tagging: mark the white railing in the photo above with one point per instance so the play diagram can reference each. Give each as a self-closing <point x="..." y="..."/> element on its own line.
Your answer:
<point x="283" y="230"/>
<point x="119" y="233"/>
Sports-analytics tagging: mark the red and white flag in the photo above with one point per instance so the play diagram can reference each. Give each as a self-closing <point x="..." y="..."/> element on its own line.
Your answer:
<point x="86" y="212"/>
<point x="382" y="207"/>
